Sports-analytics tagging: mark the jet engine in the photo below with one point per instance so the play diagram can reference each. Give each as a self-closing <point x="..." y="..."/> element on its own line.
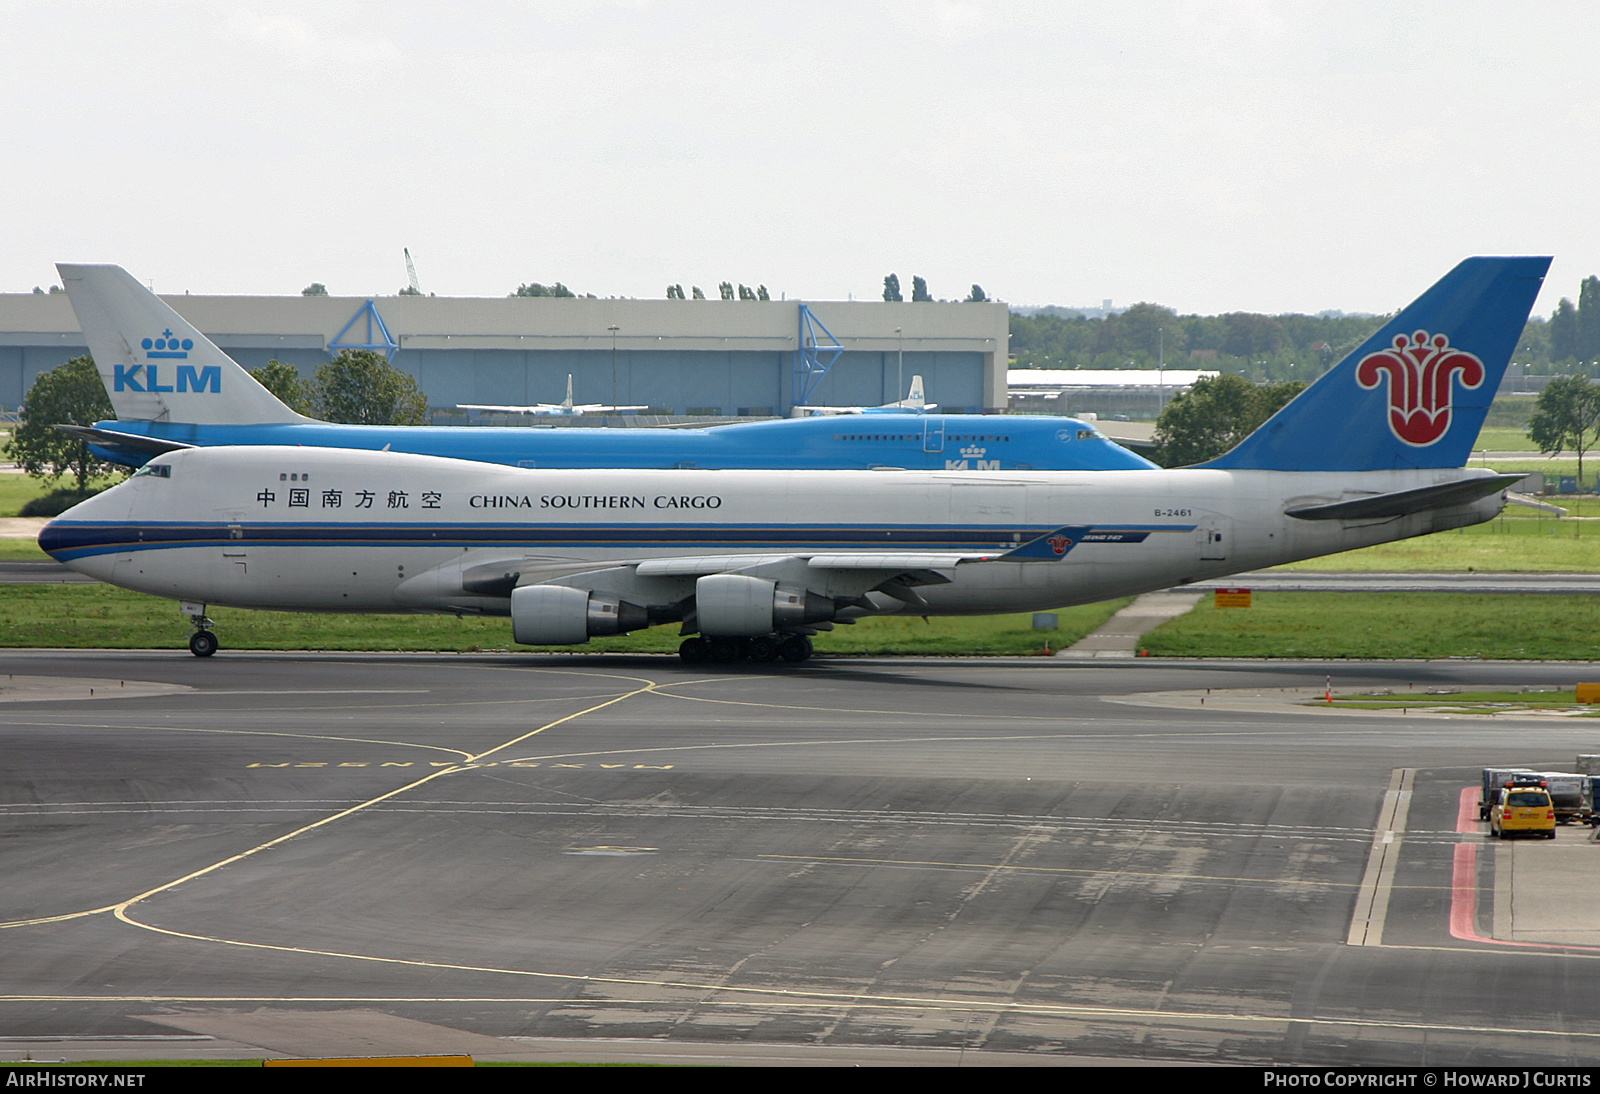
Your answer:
<point x="558" y="615"/>
<point x="737" y="605"/>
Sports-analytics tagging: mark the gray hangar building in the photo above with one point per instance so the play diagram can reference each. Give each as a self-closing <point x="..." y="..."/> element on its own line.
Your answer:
<point x="677" y="357"/>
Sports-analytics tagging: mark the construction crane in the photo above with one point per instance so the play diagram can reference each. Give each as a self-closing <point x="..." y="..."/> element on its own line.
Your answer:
<point x="411" y="273"/>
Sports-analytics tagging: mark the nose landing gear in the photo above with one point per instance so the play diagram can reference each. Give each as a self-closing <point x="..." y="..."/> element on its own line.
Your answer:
<point x="203" y="642"/>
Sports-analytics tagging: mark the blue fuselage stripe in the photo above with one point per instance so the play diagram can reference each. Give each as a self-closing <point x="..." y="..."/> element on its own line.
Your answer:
<point x="68" y="540"/>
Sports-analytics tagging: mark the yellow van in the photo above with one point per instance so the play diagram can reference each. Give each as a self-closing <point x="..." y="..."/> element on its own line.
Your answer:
<point x="1523" y="809"/>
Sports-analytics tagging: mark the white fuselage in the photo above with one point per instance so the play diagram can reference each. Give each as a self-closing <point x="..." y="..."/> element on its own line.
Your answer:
<point x="340" y="530"/>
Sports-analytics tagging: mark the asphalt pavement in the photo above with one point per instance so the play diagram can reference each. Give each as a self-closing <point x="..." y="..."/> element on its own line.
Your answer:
<point x="867" y="861"/>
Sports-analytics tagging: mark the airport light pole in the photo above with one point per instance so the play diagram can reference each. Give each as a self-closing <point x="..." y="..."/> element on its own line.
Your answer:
<point x="1161" y="370"/>
<point x="613" y="328"/>
<point x="900" y="365"/>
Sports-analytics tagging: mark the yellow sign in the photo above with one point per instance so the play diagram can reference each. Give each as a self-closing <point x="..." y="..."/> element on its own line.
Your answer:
<point x="1233" y="598"/>
<point x="1589" y="693"/>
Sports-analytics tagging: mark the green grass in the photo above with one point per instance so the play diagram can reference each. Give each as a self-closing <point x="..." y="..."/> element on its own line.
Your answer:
<point x="17" y="490"/>
<point x="21" y="550"/>
<point x="101" y="617"/>
<point x="1387" y="625"/>
<point x="1497" y="439"/>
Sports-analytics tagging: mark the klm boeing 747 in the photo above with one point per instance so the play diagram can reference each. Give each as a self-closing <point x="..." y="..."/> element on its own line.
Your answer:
<point x="173" y="388"/>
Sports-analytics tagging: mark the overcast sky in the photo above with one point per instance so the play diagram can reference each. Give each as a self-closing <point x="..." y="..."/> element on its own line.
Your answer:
<point x="1211" y="156"/>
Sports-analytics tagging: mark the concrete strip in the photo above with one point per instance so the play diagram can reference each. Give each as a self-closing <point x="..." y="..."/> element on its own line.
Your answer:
<point x="21" y="527"/>
<point x="1554" y="888"/>
<point x="336" y="1033"/>
<point x="1119" y="636"/>
<point x="1303" y="701"/>
<point x="1504" y="880"/>
<point x="43" y="572"/>
<point x="1472" y="581"/>
<point x="1372" y="899"/>
<point x="37" y="689"/>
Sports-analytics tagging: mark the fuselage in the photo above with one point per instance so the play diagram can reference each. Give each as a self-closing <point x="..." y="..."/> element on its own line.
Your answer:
<point x="342" y="530"/>
<point x="953" y="442"/>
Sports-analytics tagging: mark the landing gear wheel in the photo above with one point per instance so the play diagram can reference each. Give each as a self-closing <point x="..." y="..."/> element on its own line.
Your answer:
<point x="694" y="651"/>
<point x="795" y="648"/>
<point x="725" y="651"/>
<point x="203" y="643"/>
<point x="764" y="648"/>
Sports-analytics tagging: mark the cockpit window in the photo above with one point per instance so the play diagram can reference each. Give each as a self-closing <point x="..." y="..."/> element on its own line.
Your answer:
<point x="159" y="470"/>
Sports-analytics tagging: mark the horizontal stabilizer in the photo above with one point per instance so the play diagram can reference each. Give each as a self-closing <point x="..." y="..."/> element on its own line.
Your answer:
<point x="1404" y="502"/>
<point x="135" y="444"/>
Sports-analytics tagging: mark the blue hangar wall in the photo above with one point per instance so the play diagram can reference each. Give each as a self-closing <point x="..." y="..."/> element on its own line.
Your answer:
<point x="676" y="357"/>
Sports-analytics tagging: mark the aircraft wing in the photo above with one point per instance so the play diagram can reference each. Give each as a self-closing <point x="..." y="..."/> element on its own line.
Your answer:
<point x="536" y="408"/>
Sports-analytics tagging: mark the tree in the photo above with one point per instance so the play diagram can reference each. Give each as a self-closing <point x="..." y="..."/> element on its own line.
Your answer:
<point x="891" y="288"/>
<point x="761" y="293"/>
<point x="919" y="290"/>
<point x="284" y="381"/>
<point x="409" y="291"/>
<point x="1566" y="416"/>
<point x="316" y="288"/>
<point x="1249" y="335"/>
<point x="69" y="394"/>
<point x="726" y="289"/>
<point x="699" y="294"/>
<point x="536" y="289"/>
<point x="976" y="296"/>
<point x="1214" y="415"/>
<point x="746" y="292"/>
<point x="1589" y="320"/>
<point x="1144" y="329"/>
<point x="674" y="292"/>
<point x="360" y="387"/>
<point x="1564" y="332"/>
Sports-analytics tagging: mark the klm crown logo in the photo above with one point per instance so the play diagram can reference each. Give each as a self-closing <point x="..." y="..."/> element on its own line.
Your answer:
<point x="167" y="346"/>
<point x="973" y="452"/>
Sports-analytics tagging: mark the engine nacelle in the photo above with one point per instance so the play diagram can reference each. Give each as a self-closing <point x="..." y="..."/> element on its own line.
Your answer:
<point x="736" y="605"/>
<point x="559" y="615"/>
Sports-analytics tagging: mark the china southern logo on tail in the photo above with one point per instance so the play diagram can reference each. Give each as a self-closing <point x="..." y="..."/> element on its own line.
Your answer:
<point x="1420" y="369"/>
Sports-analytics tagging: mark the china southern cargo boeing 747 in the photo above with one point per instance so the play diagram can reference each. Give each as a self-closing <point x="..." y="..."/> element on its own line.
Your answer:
<point x="753" y="563"/>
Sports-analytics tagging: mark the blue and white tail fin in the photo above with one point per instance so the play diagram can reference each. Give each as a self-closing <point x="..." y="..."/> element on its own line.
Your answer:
<point x="154" y="364"/>
<point x="1413" y="395"/>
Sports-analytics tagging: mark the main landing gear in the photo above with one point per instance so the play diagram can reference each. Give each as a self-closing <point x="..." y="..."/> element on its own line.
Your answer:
<point x="763" y="648"/>
<point x="203" y="642"/>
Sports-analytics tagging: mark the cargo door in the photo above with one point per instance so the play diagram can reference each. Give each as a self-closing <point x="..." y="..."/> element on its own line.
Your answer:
<point x="1216" y="536"/>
